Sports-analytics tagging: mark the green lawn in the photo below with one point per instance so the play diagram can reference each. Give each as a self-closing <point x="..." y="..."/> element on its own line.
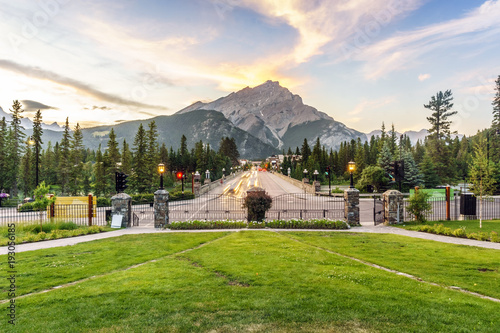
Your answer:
<point x="470" y="226"/>
<point x="256" y="281"/>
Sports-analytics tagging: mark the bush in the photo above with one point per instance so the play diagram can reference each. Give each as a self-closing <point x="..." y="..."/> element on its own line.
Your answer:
<point x="176" y="196"/>
<point x="143" y="198"/>
<point x="26" y="207"/>
<point x="419" y="206"/>
<point x="257" y="203"/>
<point x="103" y="202"/>
<point x="198" y="225"/>
<point x="460" y="232"/>
<point x="300" y="224"/>
<point x="494" y="237"/>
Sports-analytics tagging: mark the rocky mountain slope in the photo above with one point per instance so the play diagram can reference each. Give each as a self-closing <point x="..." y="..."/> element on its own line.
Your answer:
<point x="207" y="126"/>
<point x="273" y="114"/>
<point x="27" y="123"/>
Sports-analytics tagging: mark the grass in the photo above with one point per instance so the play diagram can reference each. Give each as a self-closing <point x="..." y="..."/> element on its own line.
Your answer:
<point x="256" y="281"/>
<point x="470" y="225"/>
<point x="28" y="233"/>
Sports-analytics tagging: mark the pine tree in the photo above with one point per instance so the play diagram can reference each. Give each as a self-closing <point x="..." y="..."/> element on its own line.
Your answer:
<point x="385" y="158"/>
<point x="27" y="172"/>
<point x="305" y="151"/>
<point x="16" y="147"/>
<point x="412" y="175"/>
<point x="126" y="158"/>
<point x="430" y="177"/>
<point x="393" y="141"/>
<point x="37" y="139"/>
<point x="65" y="158"/>
<point x="152" y="152"/>
<point x="76" y="161"/>
<point x="3" y="154"/>
<point x="140" y="176"/>
<point x="100" y="185"/>
<point x="112" y="161"/>
<point x="496" y="105"/>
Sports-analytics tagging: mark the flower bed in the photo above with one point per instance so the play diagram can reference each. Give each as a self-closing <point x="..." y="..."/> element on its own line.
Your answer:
<point x="274" y="224"/>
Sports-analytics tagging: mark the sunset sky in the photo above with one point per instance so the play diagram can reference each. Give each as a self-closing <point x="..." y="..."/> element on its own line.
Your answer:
<point x="360" y="61"/>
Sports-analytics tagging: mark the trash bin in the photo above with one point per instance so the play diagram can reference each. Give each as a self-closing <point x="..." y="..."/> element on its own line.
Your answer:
<point x="467" y="204"/>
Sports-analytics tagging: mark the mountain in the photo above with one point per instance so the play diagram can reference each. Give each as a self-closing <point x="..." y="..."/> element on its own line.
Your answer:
<point x="207" y="126"/>
<point x="273" y="114"/>
<point x="28" y="124"/>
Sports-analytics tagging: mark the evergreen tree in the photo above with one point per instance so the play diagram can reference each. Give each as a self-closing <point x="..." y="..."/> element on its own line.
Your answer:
<point x="126" y="158"/>
<point x="27" y="172"/>
<point x="393" y="141"/>
<point x="3" y="154"/>
<point x="496" y="105"/>
<point x="430" y="177"/>
<point x="16" y="147"/>
<point x="65" y="159"/>
<point x="37" y="139"/>
<point x="140" y="176"/>
<point x="385" y="158"/>
<point x="112" y="161"/>
<point x="412" y="175"/>
<point x="76" y="161"/>
<point x="152" y="152"/>
<point x="229" y="149"/>
<point x="100" y="185"/>
<point x="305" y="151"/>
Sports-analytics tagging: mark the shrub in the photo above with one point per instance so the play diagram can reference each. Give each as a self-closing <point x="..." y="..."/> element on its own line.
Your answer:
<point x="143" y="198"/>
<point x="198" y="225"/>
<point x="103" y="202"/>
<point x="460" y="232"/>
<point x="257" y="203"/>
<point x="494" y="237"/>
<point x="26" y="207"/>
<point x="419" y="206"/>
<point x="177" y="195"/>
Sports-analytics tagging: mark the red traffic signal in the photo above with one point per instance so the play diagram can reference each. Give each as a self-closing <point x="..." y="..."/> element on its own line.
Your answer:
<point x="179" y="174"/>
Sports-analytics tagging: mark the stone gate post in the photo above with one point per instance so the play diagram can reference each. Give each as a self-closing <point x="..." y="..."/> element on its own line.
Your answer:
<point x="122" y="205"/>
<point x="393" y="206"/>
<point x="351" y="208"/>
<point x="161" y="208"/>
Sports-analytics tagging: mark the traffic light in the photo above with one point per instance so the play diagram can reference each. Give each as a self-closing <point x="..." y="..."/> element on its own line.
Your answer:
<point x="393" y="169"/>
<point x="179" y="175"/>
<point x="121" y="181"/>
<point x="401" y="170"/>
<point x="327" y="170"/>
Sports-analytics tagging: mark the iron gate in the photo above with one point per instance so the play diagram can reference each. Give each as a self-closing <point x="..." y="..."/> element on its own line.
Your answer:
<point x="208" y="207"/>
<point x="306" y="206"/>
<point x="378" y="210"/>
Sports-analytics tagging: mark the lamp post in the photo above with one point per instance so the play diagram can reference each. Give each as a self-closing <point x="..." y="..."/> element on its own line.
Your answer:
<point x="351" y="167"/>
<point x="289" y="170"/>
<point x="207" y="174"/>
<point x="305" y="175"/>
<point x="223" y="172"/>
<point x="315" y="173"/>
<point x="161" y="170"/>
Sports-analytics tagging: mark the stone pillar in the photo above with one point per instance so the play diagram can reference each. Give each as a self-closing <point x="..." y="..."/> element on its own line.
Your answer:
<point x="393" y="206"/>
<point x="122" y="205"/>
<point x="317" y="186"/>
<point x="351" y="208"/>
<point x="161" y="209"/>
<point x="305" y="180"/>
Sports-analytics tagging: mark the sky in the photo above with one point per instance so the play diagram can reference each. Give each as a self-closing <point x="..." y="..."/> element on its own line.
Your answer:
<point x="363" y="62"/>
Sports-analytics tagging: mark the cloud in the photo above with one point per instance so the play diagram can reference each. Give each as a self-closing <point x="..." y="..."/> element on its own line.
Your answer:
<point x="403" y="50"/>
<point x="30" y="105"/>
<point x="423" y="77"/>
<point x="38" y="73"/>
<point x="370" y="105"/>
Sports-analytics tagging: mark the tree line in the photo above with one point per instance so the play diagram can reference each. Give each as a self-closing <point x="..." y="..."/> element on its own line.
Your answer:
<point x="72" y="169"/>
<point x="441" y="158"/>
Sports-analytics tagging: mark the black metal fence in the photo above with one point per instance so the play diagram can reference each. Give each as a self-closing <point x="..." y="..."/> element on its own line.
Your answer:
<point x="79" y="214"/>
<point x="208" y="207"/>
<point x="306" y="206"/>
<point x="490" y="209"/>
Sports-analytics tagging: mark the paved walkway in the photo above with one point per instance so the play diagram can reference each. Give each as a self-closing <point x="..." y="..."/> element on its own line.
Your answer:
<point x="366" y="227"/>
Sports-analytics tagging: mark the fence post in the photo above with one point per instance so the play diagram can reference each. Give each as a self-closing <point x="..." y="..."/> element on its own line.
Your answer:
<point x="90" y="210"/>
<point x="393" y="207"/>
<point x="351" y="208"/>
<point x="447" y="203"/>
<point x="161" y="209"/>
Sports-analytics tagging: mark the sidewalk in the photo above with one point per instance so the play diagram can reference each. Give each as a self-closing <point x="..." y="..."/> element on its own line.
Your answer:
<point x="367" y="227"/>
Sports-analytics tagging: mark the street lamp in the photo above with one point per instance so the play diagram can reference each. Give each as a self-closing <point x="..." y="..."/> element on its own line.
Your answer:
<point x="161" y="170"/>
<point x="223" y="172"/>
<point x="351" y="167"/>
<point x="305" y="173"/>
<point x="207" y="174"/>
<point x="315" y="173"/>
<point x="289" y="170"/>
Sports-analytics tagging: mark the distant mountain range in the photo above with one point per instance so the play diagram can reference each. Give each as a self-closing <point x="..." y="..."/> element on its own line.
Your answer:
<point x="264" y="120"/>
<point x="28" y="124"/>
<point x="273" y="114"/>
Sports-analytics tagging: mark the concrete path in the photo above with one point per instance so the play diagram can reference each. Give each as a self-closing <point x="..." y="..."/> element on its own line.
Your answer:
<point x="366" y="227"/>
